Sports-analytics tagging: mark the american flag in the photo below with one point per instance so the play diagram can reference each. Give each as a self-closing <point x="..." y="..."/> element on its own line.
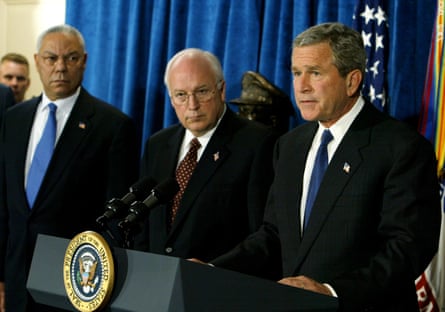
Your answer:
<point x="371" y="20"/>
<point x="430" y="285"/>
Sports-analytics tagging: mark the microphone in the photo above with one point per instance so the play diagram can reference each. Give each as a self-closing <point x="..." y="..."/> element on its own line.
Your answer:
<point x="161" y="194"/>
<point x="116" y="207"/>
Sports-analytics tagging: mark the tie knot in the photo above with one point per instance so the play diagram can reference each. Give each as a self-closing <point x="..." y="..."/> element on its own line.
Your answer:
<point x="326" y="137"/>
<point x="52" y="107"/>
<point x="194" y="144"/>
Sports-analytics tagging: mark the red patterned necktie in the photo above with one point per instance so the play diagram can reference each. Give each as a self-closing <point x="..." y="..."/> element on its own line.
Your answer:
<point x="183" y="174"/>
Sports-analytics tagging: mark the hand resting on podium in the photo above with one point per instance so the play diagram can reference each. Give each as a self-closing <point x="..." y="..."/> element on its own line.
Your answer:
<point x="301" y="281"/>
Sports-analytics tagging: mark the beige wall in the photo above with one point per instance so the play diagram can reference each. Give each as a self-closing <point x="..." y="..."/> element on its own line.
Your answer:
<point x="21" y="21"/>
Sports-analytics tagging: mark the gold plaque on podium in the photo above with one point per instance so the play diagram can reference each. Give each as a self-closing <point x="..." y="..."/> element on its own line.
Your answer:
<point x="88" y="272"/>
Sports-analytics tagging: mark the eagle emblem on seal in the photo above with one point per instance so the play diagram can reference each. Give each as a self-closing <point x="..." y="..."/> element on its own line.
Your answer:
<point x="87" y="268"/>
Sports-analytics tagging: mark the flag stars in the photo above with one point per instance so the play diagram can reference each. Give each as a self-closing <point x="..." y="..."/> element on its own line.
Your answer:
<point x="368" y="43"/>
<point x="371" y="93"/>
<point x="381" y="97"/>
<point x="380" y="16"/>
<point x="375" y="68"/>
<point x="366" y="38"/>
<point x="373" y="97"/>
<point x="379" y="42"/>
<point x="368" y="14"/>
<point x="371" y="20"/>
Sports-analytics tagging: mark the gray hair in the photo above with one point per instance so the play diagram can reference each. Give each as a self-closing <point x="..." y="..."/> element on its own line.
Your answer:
<point x="347" y="45"/>
<point x="65" y="29"/>
<point x="195" y="52"/>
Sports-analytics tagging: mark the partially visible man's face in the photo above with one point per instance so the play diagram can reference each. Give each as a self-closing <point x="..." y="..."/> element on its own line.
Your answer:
<point x="192" y="75"/>
<point x="16" y="76"/>
<point x="61" y="63"/>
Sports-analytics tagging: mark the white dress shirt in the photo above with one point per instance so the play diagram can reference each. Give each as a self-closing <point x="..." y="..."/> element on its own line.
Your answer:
<point x="338" y="131"/>
<point x="64" y="107"/>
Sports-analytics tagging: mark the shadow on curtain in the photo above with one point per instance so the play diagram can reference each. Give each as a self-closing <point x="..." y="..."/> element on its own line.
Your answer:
<point x="130" y="41"/>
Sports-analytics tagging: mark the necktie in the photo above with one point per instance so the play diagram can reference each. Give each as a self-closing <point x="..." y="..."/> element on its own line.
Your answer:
<point x="320" y="165"/>
<point x="42" y="155"/>
<point x="183" y="174"/>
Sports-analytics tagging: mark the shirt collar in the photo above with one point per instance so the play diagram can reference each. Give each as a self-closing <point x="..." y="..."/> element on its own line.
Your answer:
<point x="204" y="139"/>
<point x="338" y="129"/>
<point x="62" y="104"/>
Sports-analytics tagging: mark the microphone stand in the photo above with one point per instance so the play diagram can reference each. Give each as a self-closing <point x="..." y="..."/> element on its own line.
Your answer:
<point x="129" y="231"/>
<point x="130" y="225"/>
<point x="114" y="207"/>
<point x="106" y="228"/>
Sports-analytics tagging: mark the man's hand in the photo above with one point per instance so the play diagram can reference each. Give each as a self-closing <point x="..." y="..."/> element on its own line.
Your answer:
<point x="197" y="261"/>
<point x="306" y="283"/>
<point x="2" y="297"/>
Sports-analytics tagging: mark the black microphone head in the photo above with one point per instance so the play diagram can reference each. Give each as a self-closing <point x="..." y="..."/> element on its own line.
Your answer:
<point x="161" y="194"/>
<point x="142" y="187"/>
<point x="166" y="190"/>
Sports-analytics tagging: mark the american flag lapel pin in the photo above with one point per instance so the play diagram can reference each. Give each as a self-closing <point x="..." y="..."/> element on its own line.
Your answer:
<point x="346" y="167"/>
<point x="82" y="125"/>
<point x="216" y="156"/>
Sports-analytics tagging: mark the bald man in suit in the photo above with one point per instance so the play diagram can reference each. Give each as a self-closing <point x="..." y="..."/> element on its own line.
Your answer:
<point x="224" y="199"/>
<point x="95" y="158"/>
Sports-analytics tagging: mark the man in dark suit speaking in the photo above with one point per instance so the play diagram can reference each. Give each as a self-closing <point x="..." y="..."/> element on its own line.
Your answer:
<point x="223" y="200"/>
<point x="95" y="157"/>
<point x="373" y="226"/>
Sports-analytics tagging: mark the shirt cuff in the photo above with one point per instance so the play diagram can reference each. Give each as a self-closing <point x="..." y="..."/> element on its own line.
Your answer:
<point x="333" y="293"/>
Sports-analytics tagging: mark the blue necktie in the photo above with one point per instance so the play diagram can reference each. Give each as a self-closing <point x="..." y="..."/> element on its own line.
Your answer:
<point x="320" y="165"/>
<point x="42" y="155"/>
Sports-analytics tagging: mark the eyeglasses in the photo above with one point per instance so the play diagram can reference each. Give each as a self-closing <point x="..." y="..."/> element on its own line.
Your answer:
<point x="70" y="59"/>
<point x="204" y="94"/>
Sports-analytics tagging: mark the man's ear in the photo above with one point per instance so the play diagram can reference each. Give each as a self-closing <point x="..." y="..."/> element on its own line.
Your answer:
<point x="353" y="81"/>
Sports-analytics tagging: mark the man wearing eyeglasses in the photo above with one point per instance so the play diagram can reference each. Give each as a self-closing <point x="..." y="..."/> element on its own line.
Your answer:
<point x="94" y="157"/>
<point x="224" y="198"/>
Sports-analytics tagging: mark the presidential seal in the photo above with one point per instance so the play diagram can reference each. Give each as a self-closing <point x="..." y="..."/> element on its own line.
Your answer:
<point x="88" y="272"/>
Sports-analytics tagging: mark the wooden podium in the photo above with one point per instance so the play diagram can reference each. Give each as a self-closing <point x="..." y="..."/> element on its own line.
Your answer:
<point x="151" y="282"/>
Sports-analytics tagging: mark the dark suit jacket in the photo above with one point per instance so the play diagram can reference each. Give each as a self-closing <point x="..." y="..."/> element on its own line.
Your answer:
<point x="94" y="160"/>
<point x="6" y="100"/>
<point x="374" y="225"/>
<point x="224" y="200"/>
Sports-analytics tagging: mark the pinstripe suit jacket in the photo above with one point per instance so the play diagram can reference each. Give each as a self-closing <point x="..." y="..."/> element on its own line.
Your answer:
<point x="224" y="200"/>
<point x="374" y="226"/>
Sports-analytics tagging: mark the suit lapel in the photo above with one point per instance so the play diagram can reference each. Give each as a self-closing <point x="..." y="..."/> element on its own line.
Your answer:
<point x="294" y="160"/>
<point x="215" y="154"/>
<point x="164" y="166"/>
<point x="341" y="169"/>
<point x="171" y="152"/>
<point x="22" y="130"/>
<point x="77" y="128"/>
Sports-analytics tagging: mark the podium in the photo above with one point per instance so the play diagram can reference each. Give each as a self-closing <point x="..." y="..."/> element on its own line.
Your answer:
<point x="151" y="282"/>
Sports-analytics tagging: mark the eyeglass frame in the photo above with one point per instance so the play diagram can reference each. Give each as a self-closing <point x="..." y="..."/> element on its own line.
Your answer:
<point x="194" y="93"/>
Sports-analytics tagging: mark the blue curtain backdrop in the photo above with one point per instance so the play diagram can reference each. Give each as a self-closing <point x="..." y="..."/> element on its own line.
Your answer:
<point x="130" y="41"/>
